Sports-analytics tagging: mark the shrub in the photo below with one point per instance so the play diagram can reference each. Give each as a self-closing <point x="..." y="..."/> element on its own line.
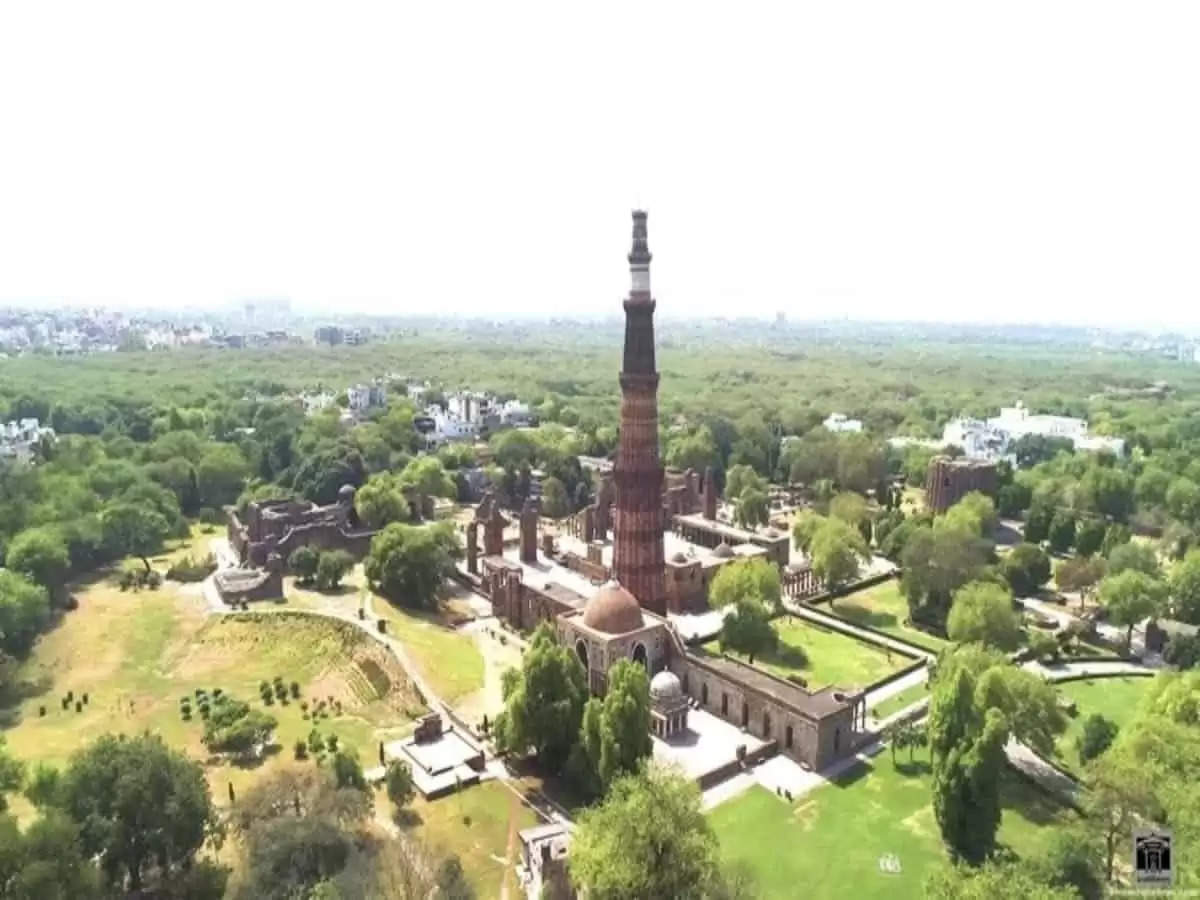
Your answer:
<point x="41" y="711"/>
<point x="300" y="750"/>
<point x="70" y="696"/>
<point x="78" y="706"/>
<point x="216" y="692"/>
<point x="85" y="698"/>
<point x="296" y="690"/>
<point x="268" y="699"/>
<point x="1097" y="735"/>
<point x="331" y="742"/>
<point x="315" y="742"/>
<point x="264" y="687"/>
<point x="190" y="569"/>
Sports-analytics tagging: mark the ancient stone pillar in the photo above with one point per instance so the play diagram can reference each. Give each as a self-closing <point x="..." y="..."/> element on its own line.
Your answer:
<point x="529" y="526"/>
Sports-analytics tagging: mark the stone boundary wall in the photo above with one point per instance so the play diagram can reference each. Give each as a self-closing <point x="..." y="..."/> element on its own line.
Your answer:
<point x="852" y="588"/>
<point x="1067" y="679"/>
<point x="727" y="770"/>
<point x="895" y="676"/>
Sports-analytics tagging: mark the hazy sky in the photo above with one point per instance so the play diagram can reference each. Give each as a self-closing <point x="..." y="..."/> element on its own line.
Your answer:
<point x="1025" y="161"/>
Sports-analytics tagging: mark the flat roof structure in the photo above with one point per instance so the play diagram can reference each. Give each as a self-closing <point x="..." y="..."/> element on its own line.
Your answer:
<point x="707" y="744"/>
<point x="810" y="704"/>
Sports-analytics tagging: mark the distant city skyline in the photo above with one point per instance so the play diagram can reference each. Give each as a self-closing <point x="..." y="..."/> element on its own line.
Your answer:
<point x="920" y="162"/>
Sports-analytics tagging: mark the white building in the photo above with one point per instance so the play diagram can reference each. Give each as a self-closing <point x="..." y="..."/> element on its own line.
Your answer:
<point x="19" y="438"/>
<point x="978" y="439"/>
<point x="1017" y="422"/>
<point x="449" y="427"/>
<point x="993" y="439"/>
<point x="315" y="403"/>
<point x="362" y="397"/>
<point x="515" y="414"/>
<point x="840" y="422"/>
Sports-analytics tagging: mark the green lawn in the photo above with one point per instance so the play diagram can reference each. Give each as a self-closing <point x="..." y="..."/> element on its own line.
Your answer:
<point x="830" y="842"/>
<point x="450" y="661"/>
<point x="480" y="825"/>
<point x="884" y="607"/>
<point x="823" y="657"/>
<point x="1116" y="699"/>
<point x="135" y="654"/>
<point x="899" y="701"/>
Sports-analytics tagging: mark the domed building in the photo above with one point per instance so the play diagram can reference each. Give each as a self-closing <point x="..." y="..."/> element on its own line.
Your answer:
<point x="668" y="705"/>
<point x="612" y="626"/>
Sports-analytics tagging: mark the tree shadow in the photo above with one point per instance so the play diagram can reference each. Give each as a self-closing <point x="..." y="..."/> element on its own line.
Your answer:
<point x="861" y="615"/>
<point x="913" y="767"/>
<point x="407" y="818"/>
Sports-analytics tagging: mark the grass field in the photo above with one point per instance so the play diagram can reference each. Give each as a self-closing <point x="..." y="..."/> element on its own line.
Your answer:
<point x="884" y="607"/>
<point x="823" y="657"/>
<point x="480" y="825"/>
<point x="900" y="700"/>
<point x="1116" y="699"/>
<point x="450" y="661"/>
<point x="830" y="842"/>
<point x="136" y="654"/>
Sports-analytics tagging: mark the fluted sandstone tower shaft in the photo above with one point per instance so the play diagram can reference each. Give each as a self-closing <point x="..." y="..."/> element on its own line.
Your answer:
<point x="638" y="475"/>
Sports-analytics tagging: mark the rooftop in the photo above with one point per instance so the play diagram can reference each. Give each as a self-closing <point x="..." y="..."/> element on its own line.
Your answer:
<point x="815" y="705"/>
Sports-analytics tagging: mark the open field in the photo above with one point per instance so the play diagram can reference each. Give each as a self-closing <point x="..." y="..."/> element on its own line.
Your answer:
<point x="136" y="654"/>
<point x="1116" y="699"/>
<point x="480" y="825"/>
<point x="884" y="607"/>
<point x="831" y="841"/>
<point x="824" y="657"/>
<point x="450" y="661"/>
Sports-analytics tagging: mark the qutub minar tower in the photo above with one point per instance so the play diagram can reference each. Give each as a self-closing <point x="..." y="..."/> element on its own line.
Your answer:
<point x="638" y="474"/>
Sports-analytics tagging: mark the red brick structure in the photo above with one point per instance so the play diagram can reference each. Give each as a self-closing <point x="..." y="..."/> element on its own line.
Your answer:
<point x="638" y="474"/>
<point x="948" y="480"/>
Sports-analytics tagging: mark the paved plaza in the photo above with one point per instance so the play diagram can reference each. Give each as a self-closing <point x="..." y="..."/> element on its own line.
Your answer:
<point x="707" y="744"/>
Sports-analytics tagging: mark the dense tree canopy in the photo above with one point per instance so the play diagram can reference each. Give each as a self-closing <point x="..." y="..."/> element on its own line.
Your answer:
<point x="408" y="563"/>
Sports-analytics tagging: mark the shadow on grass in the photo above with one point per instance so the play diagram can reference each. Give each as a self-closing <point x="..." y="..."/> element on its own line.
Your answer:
<point x="913" y="767"/>
<point x="860" y="615"/>
<point x="853" y="775"/>
<point x="1031" y="803"/>
<point x="407" y="818"/>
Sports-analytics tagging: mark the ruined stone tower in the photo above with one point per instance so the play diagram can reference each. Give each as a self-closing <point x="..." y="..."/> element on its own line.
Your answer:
<point x="638" y="474"/>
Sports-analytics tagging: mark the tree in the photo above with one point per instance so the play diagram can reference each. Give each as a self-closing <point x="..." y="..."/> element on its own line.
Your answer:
<point x="451" y="880"/>
<point x="1026" y="568"/>
<point x="1133" y="555"/>
<point x="1121" y="794"/>
<point x="851" y="508"/>
<point x="1106" y="490"/>
<point x="303" y="562"/>
<point x="1185" y="588"/>
<point x="1079" y="574"/>
<point x="12" y="773"/>
<point x="1012" y="499"/>
<point x="748" y="629"/>
<point x="1037" y="522"/>
<point x="1062" y="531"/>
<point x="836" y="552"/>
<point x="41" y="554"/>
<point x="45" y="862"/>
<point x="648" y="838"/>
<point x="993" y="880"/>
<point x="1029" y="703"/>
<point x="935" y="565"/>
<point x="347" y="772"/>
<point x="697" y="450"/>
<point x="407" y="563"/>
<point x="1129" y="598"/>
<point x="380" y="502"/>
<point x="131" y="530"/>
<point x="984" y="612"/>
<point x="1074" y="858"/>
<point x="24" y="611"/>
<point x="1031" y="449"/>
<point x="1183" y="651"/>
<point x="332" y="566"/>
<point x="746" y="579"/>
<point x="966" y="791"/>
<point x="977" y="508"/>
<point x="805" y="528"/>
<point x="751" y="508"/>
<point x="1183" y="500"/>
<point x="400" y="786"/>
<point x="138" y="804"/>
<point x="1089" y="535"/>
<point x="543" y="702"/>
<point x="220" y="475"/>
<point x="614" y="736"/>
<point x="740" y="478"/>
<point x="323" y="472"/>
<point x="554" y="498"/>
<point x="1097" y="736"/>
<point x="428" y="477"/>
<point x="1043" y="645"/>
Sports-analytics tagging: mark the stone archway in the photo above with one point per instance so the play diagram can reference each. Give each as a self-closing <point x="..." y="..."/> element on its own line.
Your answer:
<point x="639" y="655"/>
<point x="581" y="651"/>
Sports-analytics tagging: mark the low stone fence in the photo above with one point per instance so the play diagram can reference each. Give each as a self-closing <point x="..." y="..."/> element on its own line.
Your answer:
<point x="1132" y="673"/>
<point x="731" y="768"/>
<point x="853" y="587"/>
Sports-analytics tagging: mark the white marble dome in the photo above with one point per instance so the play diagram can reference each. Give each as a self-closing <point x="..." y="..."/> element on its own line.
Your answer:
<point x="665" y="686"/>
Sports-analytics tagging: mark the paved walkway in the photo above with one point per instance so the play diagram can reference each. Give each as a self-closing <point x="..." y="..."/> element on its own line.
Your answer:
<point x="920" y="676"/>
<point x="838" y="624"/>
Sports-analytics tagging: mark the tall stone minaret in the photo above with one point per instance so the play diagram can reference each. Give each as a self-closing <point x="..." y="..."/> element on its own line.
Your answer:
<point x="638" y="475"/>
